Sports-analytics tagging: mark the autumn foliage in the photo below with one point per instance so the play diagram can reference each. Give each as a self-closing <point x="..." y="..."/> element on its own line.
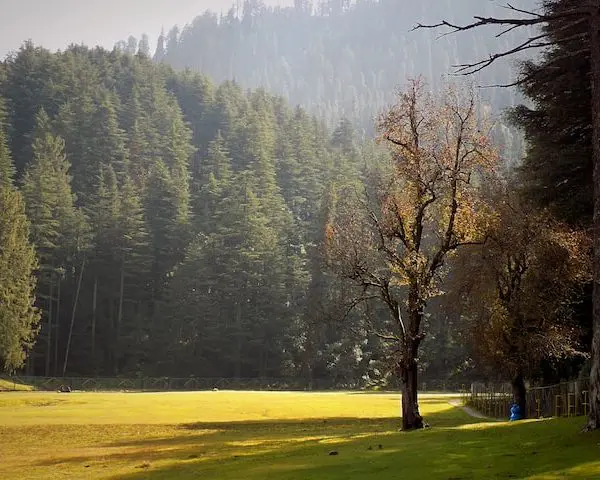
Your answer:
<point x="393" y="239"/>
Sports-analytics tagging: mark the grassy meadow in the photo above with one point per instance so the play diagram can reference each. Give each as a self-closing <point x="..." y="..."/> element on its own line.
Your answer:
<point x="276" y="435"/>
<point x="10" y="386"/>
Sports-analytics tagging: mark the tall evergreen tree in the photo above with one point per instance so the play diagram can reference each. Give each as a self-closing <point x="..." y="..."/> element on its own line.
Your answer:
<point x="159" y="54"/>
<point x="120" y="267"/>
<point x="164" y="216"/>
<point x="557" y="170"/>
<point x="144" y="46"/>
<point x="18" y="316"/>
<point x="57" y="228"/>
<point x="27" y="89"/>
<point x="7" y="169"/>
<point x="212" y="182"/>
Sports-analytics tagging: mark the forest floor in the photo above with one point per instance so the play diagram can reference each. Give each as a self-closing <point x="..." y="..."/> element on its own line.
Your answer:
<point x="276" y="435"/>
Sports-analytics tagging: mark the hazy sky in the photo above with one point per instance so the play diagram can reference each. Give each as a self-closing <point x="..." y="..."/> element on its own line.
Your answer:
<point x="55" y="24"/>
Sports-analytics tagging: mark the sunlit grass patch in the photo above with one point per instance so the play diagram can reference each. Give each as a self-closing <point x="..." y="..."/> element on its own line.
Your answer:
<point x="10" y="386"/>
<point x="187" y="407"/>
<point x="264" y="435"/>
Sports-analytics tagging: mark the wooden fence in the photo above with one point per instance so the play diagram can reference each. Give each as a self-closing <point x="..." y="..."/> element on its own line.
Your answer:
<point x="565" y="399"/>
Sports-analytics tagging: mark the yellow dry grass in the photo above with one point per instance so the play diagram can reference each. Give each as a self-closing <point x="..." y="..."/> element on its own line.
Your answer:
<point x="275" y="435"/>
<point x="9" y="385"/>
<point x="183" y="407"/>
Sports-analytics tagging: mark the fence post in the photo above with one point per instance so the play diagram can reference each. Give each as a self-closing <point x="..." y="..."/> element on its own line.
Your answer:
<point x="570" y="404"/>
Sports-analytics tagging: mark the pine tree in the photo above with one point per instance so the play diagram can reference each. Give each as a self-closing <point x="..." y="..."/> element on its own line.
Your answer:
<point x="163" y="213"/>
<point x="557" y="170"/>
<point x="7" y="169"/>
<point x="109" y="140"/>
<point x="28" y="88"/>
<point x="159" y="54"/>
<point x="192" y="331"/>
<point x="176" y="155"/>
<point x="18" y="316"/>
<point x="210" y="185"/>
<point x="104" y="262"/>
<point x="74" y="124"/>
<point x="134" y="267"/>
<point x="144" y="46"/>
<point x="57" y="228"/>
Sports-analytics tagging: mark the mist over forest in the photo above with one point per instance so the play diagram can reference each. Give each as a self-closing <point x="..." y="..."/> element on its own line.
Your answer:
<point x="173" y="210"/>
<point x="341" y="60"/>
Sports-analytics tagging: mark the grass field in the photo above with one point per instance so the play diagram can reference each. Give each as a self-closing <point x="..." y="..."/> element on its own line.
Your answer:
<point x="275" y="435"/>
<point x="9" y="386"/>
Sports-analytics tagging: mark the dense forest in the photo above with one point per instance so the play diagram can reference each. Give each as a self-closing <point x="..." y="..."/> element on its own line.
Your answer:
<point x="194" y="212"/>
<point x="177" y="223"/>
<point x="341" y="59"/>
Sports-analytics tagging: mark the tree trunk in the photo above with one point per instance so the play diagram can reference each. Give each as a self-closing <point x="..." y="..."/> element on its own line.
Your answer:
<point x="64" y="370"/>
<point x="108" y="337"/>
<point x="238" y="342"/>
<point x="520" y="393"/>
<point x="49" y="334"/>
<point x="411" y="418"/>
<point x="117" y="355"/>
<point x="57" y="327"/>
<point x="94" y="303"/>
<point x="594" y="417"/>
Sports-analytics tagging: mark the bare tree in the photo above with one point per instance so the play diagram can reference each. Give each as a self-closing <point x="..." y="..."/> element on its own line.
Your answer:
<point x="562" y="14"/>
<point x="393" y="241"/>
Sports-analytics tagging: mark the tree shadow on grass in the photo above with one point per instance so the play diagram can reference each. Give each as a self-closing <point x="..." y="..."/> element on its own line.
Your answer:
<point x="457" y="447"/>
<point x="552" y="449"/>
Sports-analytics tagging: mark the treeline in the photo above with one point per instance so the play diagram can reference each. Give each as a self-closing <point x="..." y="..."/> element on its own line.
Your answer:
<point x="176" y="223"/>
<point x="176" y="227"/>
<point x="339" y="58"/>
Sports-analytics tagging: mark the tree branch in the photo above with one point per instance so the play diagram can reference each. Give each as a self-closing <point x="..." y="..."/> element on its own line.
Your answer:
<point x="581" y="14"/>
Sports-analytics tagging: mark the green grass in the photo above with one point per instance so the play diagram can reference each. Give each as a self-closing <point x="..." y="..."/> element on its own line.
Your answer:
<point x="269" y="435"/>
<point x="11" y="386"/>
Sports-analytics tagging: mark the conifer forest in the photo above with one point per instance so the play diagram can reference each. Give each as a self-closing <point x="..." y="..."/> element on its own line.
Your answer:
<point x="339" y="194"/>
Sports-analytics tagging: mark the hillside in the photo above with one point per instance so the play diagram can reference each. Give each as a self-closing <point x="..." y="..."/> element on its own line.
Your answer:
<point x="338" y="59"/>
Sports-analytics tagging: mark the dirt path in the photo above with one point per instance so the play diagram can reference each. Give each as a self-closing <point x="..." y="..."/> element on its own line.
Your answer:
<point x="468" y="410"/>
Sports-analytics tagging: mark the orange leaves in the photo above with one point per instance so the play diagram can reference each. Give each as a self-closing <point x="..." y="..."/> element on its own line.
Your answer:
<point x="431" y="199"/>
<point x="522" y="285"/>
<point x="422" y="204"/>
<point x="329" y="232"/>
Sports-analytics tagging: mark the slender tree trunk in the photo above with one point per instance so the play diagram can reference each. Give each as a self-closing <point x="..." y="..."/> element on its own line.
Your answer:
<point x="265" y="360"/>
<point x="108" y="338"/>
<point x="94" y="304"/>
<point x="29" y="365"/>
<point x="49" y="334"/>
<point x="238" y="344"/>
<point x="57" y="327"/>
<point x="73" y="317"/>
<point x="594" y="416"/>
<point x="119" y="320"/>
<point x="520" y="393"/>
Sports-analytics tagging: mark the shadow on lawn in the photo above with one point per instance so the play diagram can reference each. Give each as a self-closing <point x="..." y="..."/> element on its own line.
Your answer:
<point x="456" y="448"/>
